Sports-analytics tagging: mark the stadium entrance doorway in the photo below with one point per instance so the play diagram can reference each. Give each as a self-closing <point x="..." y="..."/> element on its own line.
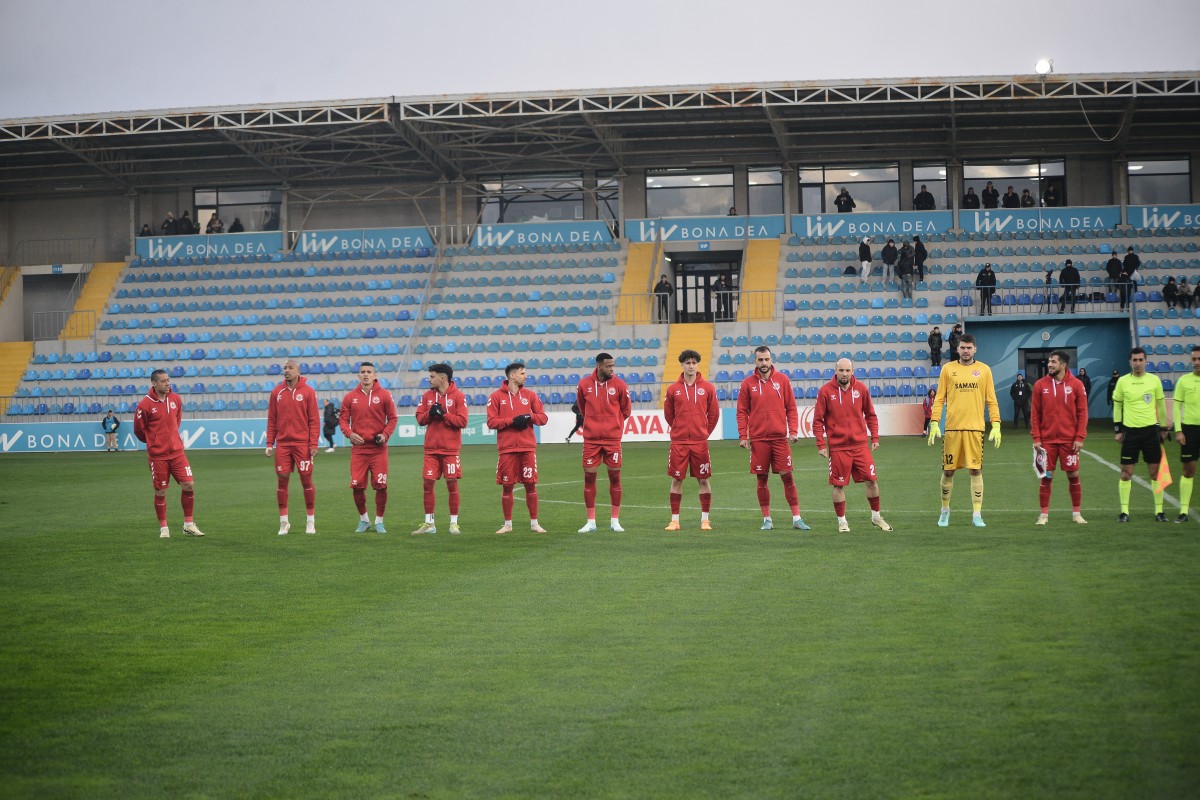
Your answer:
<point x="698" y="297"/>
<point x="1032" y="360"/>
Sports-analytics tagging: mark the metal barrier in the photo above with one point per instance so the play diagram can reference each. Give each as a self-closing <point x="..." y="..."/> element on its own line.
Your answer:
<point x="643" y="308"/>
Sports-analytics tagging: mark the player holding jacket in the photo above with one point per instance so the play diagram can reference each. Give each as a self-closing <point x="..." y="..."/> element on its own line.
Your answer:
<point x="443" y="413"/>
<point x="604" y="402"/>
<point x="512" y="412"/>
<point x="767" y="424"/>
<point x="367" y="419"/>
<point x="691" y="410"/>
<point x="293" y="433"/>
<point x="1058" y="424"/>
<point x="843" y="421"/>
<point x="156" y="422"/>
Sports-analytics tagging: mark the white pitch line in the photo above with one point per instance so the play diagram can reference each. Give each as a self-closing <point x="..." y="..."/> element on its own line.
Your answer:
<point x="1145" y="484"/>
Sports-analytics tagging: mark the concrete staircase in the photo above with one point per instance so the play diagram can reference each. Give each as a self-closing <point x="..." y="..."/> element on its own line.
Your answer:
<point x="14" y="360"/>
<point x="95" y="294"/>
<point x="633" y="307"/>
<point x="696" y="336"/>
<point x="760" y="276"/>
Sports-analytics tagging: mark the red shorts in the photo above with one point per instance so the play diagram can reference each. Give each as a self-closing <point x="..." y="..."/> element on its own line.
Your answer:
<point x="297" y="455"/>
<point x="163" y="469"/>
<point x="773" y="455"/>
<point x="847" y="464"/>
<point x="516" y="468"/>
<point x="441" y="466"/>
<point x="1061" y="453"/>
<point x="596" y="454"/>
<point x="689" y="457"/>
<point x="374" y="461"/>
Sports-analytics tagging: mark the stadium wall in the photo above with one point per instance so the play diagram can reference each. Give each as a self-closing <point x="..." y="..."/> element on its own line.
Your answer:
<point x="56" y="230"/>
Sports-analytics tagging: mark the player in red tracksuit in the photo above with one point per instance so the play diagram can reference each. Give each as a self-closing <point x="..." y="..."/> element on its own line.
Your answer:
<point x="847" y="430"/>
<point x="1058" y="424"/>
<point x="156" y="422"/>
<point x="767" y="423"/>
<point x="367" y="419"/>
<point x="603" y="400"/>
<point x="293" y="434"/>
<point x="691" y="410"/>
<point x="512" y="412"/>
<point x="443" y="412"/>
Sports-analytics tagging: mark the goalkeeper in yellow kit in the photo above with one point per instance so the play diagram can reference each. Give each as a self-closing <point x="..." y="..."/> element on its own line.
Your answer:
<point x="965" y="390"/>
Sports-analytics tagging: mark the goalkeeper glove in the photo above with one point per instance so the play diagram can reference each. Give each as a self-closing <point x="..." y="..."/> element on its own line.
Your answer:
<point x="935" y="430"/>
<point x="994" y="436"/>
<point x="437" y="411"/>
<point x="379" y="438"/>
<point x="522" y="422"/>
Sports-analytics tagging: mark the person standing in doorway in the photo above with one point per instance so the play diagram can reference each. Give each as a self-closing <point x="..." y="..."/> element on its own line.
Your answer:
<point x="663" y="290"/>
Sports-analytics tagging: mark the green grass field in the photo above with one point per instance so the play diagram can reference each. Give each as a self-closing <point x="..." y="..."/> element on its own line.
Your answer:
<point x="1006" y="662"/>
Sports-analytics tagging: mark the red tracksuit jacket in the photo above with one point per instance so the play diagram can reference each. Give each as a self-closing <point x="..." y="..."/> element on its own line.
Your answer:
<point x="1059" y="414"/>
<point x="502" y="406"/>
<point x="156" y="422"/>
<point x="293" y="416"/>
<point x="443" y="437"/>
<point x="691" y="411"/>
<point x="766" y="409"/>
<point x="368" y="413"/>
<point x="605" y="406"/>
<point x="838" y="417"/>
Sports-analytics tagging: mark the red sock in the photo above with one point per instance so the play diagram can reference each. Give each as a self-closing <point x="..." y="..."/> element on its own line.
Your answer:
<point x="1044" y="495"/>
<point x="789" y="492"/>
<point x="310" y="493"/>
<point x="614" y="491"/>
<point x="676" y="499"/>
<point x="506" y="502"/>
<point x="764" y="495"/>
<point x="380" y="502"/>
<point x="1076" y="492"/>
<point x="705" y="502"/>
<point x="589" y="493"/>
<point x="360" y="501"/>
<point x="839" y="508"/>
<point x="188" y="501"/>
<point x="452" y="492"/>
<point x="531" y="499"/>
<point x="160" y="508"/>
<point x="281" y="494"/>
<point x="873" y="502"/>
<point x="428" y="496"/>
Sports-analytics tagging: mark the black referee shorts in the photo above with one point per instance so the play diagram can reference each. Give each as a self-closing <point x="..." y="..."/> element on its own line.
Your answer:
<point x="1143" y="442"/>
<point x="1190" y="450"/>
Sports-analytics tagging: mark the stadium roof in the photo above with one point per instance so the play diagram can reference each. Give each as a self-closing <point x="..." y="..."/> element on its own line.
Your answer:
<point x="322" y="147"/>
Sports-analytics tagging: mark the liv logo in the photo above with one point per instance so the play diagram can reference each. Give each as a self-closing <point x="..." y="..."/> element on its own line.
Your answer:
<point x="158" y="249"/>
<point x="490" y="237"/>
<point x="649" y="230"/>
<point x="8" y="440"/>
<point x="1152" y="219"/>
<point x="190" y="437"/>
<point x="314" y="243"/>
<point x="815" y="227"/>
<point x="986" y="223"/>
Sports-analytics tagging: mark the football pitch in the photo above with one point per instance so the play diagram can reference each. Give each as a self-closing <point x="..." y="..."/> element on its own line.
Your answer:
<point x="1010" y="661"/>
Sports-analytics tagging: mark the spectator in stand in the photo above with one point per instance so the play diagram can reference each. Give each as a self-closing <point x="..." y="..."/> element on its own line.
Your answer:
<point x="955" y="334"/>
<point x="1131" y="261"/>
<point x="1068" y="282"/>
<point x="1113" y="268"/>
<point x="985" y="282"/>
<point x="1170" y="293"/>
<point x="970" y="199"/>
<point x="1027" y="200"/>
<point x="145" y="231"/>
<point x="919" y="256"/>
<point x="1050" y="197"/>
<point x="237" y="226"/>
<point x="662" y="293"/>
<point x="732" y="212"/>
<point x="991" y="197"/>
<point x="927" y="409"/>
<point x="1085" y="380"/>
<point x="889" y="254"/>
<point x="904" y="271"/>
<point x="865" y="258"/>
<point x="214" y="224"/>
<point x="935" y="348"/>
<point x="924" y="200"/>
<point x="1012" y="199"/>
<point x="844" y="202"/>
<point x="722" y="302"/>
<point x="170" y="225"/>
<point x="184" y="225"/>
<point x="1186" y="292"/>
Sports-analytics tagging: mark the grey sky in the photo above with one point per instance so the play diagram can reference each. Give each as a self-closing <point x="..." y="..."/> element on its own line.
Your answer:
<point x="64" y="57"/>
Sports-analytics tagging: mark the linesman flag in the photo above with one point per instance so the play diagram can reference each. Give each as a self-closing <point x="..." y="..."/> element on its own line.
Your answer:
<point x="1164" y="475"/>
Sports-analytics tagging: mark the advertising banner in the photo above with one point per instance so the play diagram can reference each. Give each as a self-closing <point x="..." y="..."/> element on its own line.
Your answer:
<point x="896" y="224"/>
<point x="1164" y="216"/>
<point x="538" y="233"/>
<point x="353" y="240"/>
<point x="692" y="229"/>
<point x="222" y="244"/>
<point x="1012" y="220"/>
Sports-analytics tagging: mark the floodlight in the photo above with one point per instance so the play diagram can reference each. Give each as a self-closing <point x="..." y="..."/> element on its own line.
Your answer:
<point x="1044" y="66"/>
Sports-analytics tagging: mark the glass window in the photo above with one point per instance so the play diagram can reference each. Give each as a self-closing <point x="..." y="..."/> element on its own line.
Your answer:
<point x="608" y="196"/>
<point x="765" y="191"/>
<point x="1036" y="175"/>
<point x="1159" y="181"/>
<point x="872" y="187"/>
<point x="533" y="198"/>
<point x="688" y="193"/>
<point x="933" y="177"/>
<point x="255" y="207"/>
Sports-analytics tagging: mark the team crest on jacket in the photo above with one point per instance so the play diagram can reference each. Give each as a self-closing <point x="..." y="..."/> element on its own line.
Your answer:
<point x="1066" y="390"/>
<point x="524" y="401"/>
<point x="699" y="393"/>
<point x="374" y="399"/>
<point x="854" y="395"/>
<point x="611" y="391"/>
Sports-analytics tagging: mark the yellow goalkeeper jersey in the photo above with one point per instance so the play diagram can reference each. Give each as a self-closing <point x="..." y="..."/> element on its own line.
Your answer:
<point x="965" y="392"/>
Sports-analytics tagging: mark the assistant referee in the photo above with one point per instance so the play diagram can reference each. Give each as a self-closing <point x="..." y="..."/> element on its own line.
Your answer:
<point x="1187" y="431"/>
<point x="1140" y="422"/>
